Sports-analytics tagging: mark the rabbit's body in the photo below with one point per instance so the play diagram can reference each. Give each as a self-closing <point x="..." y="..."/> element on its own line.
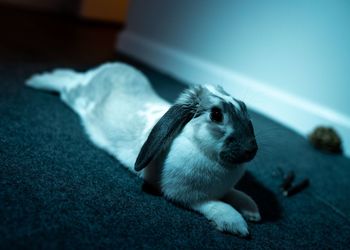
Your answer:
<point x="116" y="104"/>
<point x="189" y="151"/>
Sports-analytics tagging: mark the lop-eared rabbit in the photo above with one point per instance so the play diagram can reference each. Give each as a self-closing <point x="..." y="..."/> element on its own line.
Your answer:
<point x="193" y="151"/>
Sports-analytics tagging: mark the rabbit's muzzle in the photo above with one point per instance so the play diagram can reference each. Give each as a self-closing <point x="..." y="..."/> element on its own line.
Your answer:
<point x="238" y="150"/>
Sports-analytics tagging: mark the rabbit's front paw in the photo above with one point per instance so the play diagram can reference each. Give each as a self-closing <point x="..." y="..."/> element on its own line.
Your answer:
<point x="231" y="223"/>
<point x="223" y="216"/>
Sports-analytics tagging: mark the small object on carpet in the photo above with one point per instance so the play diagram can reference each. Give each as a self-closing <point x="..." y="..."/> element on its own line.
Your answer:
<point x="326" y="139"/>
<point x="297" y="188"/>
<point x="287" y="180"/>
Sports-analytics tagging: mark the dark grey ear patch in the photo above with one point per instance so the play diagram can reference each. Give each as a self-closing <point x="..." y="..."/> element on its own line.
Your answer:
<point x="164" y="132"/>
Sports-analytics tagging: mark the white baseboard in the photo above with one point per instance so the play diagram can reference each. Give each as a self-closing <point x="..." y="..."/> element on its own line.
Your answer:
<point x="294" y="112"/>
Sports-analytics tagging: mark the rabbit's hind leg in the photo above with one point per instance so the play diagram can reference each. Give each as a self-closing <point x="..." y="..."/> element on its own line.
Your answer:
<point x="243" y="203"/>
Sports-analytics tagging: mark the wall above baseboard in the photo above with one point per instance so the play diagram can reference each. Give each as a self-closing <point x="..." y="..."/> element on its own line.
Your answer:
<point x="292" y="111"/>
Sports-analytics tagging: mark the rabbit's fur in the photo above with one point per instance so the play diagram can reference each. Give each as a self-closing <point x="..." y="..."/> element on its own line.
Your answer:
<point x="192" y="152"/>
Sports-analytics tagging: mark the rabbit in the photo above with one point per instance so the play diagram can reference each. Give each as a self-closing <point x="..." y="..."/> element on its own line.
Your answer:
<point x="193" y="152"/>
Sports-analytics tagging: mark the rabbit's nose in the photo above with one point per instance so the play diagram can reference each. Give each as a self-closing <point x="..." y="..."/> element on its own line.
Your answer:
<point x="250" y="152"/>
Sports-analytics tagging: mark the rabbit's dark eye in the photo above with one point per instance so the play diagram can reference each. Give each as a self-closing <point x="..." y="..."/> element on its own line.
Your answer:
<point x="216" y="115"/>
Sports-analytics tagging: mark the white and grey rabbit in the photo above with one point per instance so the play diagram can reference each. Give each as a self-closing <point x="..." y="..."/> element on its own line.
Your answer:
<point x="193" y="151"/>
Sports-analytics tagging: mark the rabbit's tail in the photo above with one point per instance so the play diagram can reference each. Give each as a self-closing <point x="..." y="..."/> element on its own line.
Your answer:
<point x="59" y="80"/>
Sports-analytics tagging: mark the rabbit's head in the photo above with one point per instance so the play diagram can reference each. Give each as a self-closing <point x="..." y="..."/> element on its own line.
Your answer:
<point x="218" y="124"/>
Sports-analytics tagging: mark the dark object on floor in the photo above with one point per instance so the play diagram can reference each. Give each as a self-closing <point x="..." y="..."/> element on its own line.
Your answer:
<point x="287" y="187"/>
<point x="326" y="139"/>
<point x="287" y="180"/>
<point x="294" y="189"/>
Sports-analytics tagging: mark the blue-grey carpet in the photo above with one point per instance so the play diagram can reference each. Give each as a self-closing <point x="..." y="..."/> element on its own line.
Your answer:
<point x="59" y="191"/>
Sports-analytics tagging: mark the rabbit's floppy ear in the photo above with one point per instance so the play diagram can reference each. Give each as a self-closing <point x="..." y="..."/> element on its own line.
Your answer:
<point x="169" y="126"/>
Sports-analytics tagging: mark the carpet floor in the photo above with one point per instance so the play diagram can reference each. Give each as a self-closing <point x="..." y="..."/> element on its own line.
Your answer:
<point x="59" y="191"/>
